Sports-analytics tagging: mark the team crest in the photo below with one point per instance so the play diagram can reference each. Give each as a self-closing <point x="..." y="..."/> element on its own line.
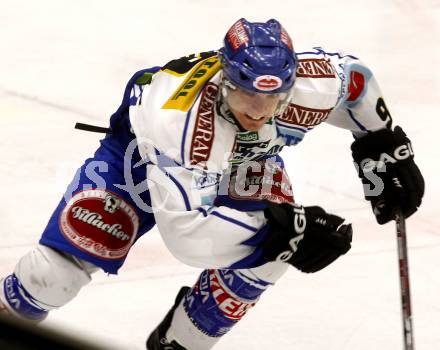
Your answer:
<point x="267" y="83"/>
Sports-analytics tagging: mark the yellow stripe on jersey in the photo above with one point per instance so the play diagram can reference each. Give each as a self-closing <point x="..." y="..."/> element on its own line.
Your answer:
<point x="184" y="96"/>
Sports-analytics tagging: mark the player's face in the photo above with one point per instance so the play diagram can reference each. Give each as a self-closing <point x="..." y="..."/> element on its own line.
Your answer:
<point x="251" y="109"/>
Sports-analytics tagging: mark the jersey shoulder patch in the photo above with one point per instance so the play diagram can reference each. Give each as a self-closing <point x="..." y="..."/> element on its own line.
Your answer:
<point x="357" y="76"/>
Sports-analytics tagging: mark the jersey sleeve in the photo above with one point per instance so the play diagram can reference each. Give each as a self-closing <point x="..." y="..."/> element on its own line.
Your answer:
<point x="361" y="107"/>
<point x="196" y="231"/>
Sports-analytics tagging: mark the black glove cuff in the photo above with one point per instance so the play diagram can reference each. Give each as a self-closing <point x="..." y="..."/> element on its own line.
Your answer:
<point x="383" y="147"/>
<point x="378" y="141"/>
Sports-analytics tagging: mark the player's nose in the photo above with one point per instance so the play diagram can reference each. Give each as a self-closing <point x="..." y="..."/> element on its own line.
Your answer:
<point x="260" y="106"/>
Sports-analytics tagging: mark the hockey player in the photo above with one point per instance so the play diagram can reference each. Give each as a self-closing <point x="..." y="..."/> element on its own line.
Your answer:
<point x="206" y="131"/>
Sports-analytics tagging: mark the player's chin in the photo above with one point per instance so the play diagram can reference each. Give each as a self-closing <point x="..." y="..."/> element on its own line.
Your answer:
<point x="251" y="124"/>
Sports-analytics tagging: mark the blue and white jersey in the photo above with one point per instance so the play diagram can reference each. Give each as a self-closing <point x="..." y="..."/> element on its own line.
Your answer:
<point x="189" y="140"/>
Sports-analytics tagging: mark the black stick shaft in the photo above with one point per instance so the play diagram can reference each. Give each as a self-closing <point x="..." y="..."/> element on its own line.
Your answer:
<point x="92" y="128"/>
<point x="408" y="336"/>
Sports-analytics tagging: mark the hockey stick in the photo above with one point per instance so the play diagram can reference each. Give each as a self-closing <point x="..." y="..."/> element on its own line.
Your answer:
<point x="408" y="337"/>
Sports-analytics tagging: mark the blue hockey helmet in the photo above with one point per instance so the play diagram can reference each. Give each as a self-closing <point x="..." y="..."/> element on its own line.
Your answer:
<point x="259" y="57"/>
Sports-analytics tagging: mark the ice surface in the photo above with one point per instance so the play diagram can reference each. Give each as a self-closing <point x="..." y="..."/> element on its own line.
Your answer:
<point x="62" y="62"/>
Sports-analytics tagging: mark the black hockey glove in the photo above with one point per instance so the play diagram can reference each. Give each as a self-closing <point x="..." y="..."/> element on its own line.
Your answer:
<point x="305" y="237"/>
<point x="385" y="163"/>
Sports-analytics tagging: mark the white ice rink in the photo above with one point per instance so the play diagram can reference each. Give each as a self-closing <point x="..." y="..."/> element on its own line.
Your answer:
<point x="67" y="61"/>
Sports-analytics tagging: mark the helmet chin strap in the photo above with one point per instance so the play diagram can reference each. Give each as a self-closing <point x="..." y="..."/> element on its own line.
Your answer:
<point x="283" y="104"/>
<point x="222" y="106"/>
<point x="225" y="112"/>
